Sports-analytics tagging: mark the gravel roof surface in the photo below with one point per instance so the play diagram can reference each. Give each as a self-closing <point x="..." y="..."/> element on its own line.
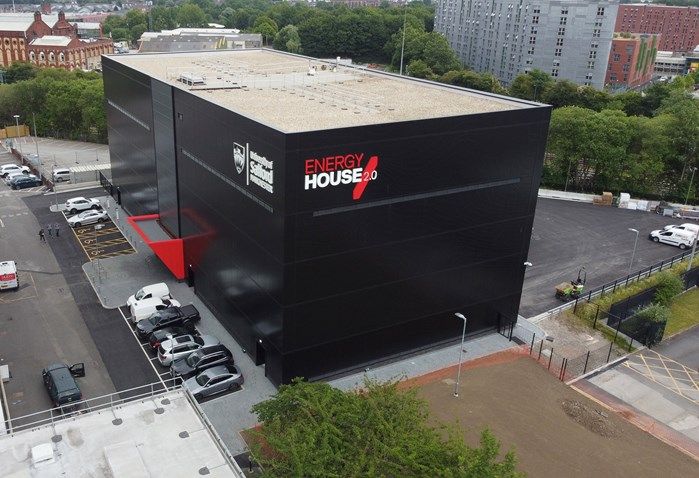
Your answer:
<point x="279" y="90"/>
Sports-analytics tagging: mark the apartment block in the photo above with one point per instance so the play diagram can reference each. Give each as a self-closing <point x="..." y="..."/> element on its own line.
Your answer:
<point x="632" y="60"/>
<point x="678" y="26"/>
<point x="568" y="39"/>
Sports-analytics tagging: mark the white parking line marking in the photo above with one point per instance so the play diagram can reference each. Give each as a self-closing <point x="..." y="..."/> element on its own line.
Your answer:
<point x="2" y="224"/>
<point x="165" y="373"/>
<point x="144" y="352"/>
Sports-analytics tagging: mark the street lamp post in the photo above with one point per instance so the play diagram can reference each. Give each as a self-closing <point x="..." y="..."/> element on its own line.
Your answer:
<point x="461" y="353"/>
<point x="686" y="199"/>
<point x="633" y="254"/>
<point x="402" y="45"/>
<point x="16" y="117"/>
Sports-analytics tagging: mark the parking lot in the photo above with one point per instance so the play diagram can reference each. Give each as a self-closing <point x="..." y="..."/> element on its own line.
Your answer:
<point x="569" y="235"/>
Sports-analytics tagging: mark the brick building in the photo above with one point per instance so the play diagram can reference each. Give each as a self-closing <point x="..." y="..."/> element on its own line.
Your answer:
<point x="678" y="26"/>
<point x="631" y="60"/>
<point x="48" y="41"/>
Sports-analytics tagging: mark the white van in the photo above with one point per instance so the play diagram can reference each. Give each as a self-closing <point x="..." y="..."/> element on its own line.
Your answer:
<point x="8" y="276"/>
<point x="675" y="237"/>
<point x="159" y="291"/>
<point x="687" y="226"/>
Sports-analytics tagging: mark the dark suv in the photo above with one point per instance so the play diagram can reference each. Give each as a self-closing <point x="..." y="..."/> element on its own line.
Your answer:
<point x="60" y="383"/>
<point x="200" y="360"/>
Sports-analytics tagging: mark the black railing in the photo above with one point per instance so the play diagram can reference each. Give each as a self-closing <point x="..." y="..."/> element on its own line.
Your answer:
<point x="113" y="191"/>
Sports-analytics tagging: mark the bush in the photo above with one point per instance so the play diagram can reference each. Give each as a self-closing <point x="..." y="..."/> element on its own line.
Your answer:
<point x="648" y="326"/>
<point x="668" y="286"/>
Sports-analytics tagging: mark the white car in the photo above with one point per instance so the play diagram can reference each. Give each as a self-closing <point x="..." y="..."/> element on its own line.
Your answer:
<point x="145" y="308"/>
<point x="159" y="290"/>
<point x="6" y="169"/>
<point x="182" y="346"/>
<point x="88" y="217"/>
<point x="75" y="205"/>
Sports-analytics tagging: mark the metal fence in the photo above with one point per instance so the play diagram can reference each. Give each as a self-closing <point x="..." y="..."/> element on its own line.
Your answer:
<point x="624" y="281"/>
<point x="566" y="366"/>
<point x="113" y="191"/>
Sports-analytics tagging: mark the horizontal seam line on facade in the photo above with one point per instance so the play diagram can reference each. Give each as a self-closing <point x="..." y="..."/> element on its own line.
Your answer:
<point x="416" y="197"/>
<point x="339" y="294"/>
<point x="398" y="139"/>
<point x="445" y="311"/>
<point x="403" y="241"/>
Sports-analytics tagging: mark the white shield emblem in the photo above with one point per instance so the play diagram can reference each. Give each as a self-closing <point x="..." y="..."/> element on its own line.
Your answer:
<point x="239" y="157"/>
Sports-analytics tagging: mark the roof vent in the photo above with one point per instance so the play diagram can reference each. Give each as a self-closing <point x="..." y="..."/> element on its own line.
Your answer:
<point x="42" y="455"/>
<point x="191" y="79"/>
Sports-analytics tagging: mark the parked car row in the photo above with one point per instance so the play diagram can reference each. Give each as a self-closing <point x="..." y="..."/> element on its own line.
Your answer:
<point x="204" y="364"/>
<point x="682" y="235"/>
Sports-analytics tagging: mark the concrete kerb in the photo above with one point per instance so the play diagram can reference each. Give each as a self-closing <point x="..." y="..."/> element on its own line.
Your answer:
<point x="603" y="368"/>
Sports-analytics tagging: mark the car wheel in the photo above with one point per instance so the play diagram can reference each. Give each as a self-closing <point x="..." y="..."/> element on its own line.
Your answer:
<point x="655" y="239"/>
<point x="77" y="224"/>
<point x="234" y="387"/>
<point x="94" y="206"/>
<point x="682" y="247"/>
<point x="101" y="219"/>
<point x="187" y="324"/>
<point x="73" y="211"/>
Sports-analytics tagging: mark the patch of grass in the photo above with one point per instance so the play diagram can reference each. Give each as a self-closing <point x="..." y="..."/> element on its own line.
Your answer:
<point x="684" y="312"/>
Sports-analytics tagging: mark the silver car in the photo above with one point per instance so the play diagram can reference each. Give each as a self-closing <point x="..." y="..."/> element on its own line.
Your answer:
<point x="88" y="217"/>
<point x="215" y="380"/>
<point x="182" y="346"/>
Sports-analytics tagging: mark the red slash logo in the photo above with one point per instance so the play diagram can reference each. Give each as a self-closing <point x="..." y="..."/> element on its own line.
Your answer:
<point x="367" y="175"/>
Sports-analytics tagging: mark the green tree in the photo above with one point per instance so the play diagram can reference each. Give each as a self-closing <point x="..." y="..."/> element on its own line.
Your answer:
<point x="190" y="15"/>
<point x="531" y="86"/>
<point x="669" y="285"/>
<point x="287" y="39"/>
<point x="266" y="27"/>
<point x="471" y="79"/>
<point x="419" y="69"/>
<point x="562" y="93"/>
<point x="19" y="71"/>
<point x="162" y="18"/>
<point x="314" y="430"/>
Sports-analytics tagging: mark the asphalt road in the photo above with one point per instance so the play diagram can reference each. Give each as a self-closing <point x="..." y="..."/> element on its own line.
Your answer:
<point x="568" y="235"/>
<point x="125" y="363"/>
<point x="40" y="324"/>
<point x="682" y="348"/>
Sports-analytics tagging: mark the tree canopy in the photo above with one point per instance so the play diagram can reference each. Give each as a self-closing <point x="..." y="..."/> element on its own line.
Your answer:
<point x="314" y="430"/>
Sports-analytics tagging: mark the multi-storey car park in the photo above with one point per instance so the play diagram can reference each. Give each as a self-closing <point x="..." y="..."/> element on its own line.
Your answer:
<point x="330" y="216"/>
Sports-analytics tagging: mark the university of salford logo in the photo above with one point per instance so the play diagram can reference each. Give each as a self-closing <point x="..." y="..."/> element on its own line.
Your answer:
<point x="239" y="157"/>
<point x="341" y="169"/>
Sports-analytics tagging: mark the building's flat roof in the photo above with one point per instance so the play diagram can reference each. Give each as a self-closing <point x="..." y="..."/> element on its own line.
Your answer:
<point x="51" y="40"/>
<point x="159" y="436"/>
<point x="20" y="22"/>
<point x="276" y="89"/>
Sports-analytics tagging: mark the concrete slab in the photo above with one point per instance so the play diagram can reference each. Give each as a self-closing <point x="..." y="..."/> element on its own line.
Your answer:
<point x="651" y="398"/>
<point x="159" y="436"/>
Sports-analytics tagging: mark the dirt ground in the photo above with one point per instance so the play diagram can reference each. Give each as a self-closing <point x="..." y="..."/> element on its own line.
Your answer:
<point x="555" y="431"/>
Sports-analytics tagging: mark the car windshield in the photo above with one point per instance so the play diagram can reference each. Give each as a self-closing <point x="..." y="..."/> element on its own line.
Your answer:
<point x="193" y="359"/>
<point x="202" y="379"/>
<point x="153" y="318"/>
<point x="139" y="295"/>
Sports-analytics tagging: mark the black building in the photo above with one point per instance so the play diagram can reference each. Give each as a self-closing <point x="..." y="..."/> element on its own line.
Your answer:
<point x="330" y="216"/>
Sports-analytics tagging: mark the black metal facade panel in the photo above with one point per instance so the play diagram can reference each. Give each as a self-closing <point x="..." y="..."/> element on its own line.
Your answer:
<point x="231" y="217"/>
<point x="130" y="129"/>
<point x="166" y="166"/>
<point x="311" y="268"/>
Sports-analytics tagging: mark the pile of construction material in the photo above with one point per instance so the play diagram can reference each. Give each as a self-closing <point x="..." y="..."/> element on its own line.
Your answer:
<point x="604" y="200"/>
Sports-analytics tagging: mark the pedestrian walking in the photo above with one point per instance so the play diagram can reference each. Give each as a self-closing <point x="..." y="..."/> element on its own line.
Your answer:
<point x="57" y="228"/>
<point x="48" y="228"/>
<point x="42" y="238"/>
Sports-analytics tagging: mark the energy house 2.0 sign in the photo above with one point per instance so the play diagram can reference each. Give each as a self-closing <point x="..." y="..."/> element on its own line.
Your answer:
<point x="341" y="169"/>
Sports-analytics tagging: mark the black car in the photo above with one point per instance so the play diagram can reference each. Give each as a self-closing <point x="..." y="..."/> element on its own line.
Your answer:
<point x="158" y="336"/>
<point x="60" y="383"/>
<point x="201" y="360"/>
<point x="22" y="182"/>
<point x="172" y="316"/>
